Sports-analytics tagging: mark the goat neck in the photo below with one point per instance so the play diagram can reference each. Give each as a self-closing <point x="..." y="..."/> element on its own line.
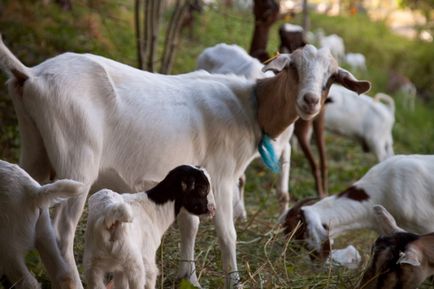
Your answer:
<point x="276" y="98"/>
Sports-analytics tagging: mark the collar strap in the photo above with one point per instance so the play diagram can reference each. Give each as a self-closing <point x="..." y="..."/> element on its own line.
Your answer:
<point x="267" y="153"/>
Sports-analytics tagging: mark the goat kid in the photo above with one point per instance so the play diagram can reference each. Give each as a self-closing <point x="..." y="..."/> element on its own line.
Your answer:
<point x="93" y="119"/>
<point x="399" y="259"/>
<point x="25" y="224"/>
<point x="124" y="231"/>
<point x="402" y="184"/>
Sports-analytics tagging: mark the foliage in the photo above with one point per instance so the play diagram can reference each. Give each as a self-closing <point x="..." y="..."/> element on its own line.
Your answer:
<point x="266" y="258"/>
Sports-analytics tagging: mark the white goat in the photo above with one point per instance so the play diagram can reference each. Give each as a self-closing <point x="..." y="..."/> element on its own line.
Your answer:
<point x="402" y="184"/>
<point x="233" y="59"/>
<point x="90" y="118"/>
<point x="333" y="42"/>
<point x="124" y="231"/>
<point x="363" y="118"/>
<point x="356" y="61"/>
<point x="25" y="223"/>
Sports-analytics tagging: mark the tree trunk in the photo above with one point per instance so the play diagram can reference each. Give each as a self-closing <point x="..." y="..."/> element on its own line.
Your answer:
<point x="306" y="22"/>
<point x="172" y="35"/>
<point x="139" y="37"/>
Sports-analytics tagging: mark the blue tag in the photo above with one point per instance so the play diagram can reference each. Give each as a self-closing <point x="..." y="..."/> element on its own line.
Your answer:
<point x="268" y="156"/>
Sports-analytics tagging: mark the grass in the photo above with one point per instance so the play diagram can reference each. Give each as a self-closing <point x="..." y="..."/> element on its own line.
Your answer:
<point x="266" y="258"/>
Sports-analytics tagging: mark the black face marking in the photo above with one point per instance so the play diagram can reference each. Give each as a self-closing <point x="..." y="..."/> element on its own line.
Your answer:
<point x="187" y="186"/>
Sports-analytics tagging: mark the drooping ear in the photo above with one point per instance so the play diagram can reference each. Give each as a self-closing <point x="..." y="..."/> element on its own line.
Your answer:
<point x="410" y="257"/>
<point x="386" y="222"/>
<point x="277" y="64"/>
<point x="346" y="79"/>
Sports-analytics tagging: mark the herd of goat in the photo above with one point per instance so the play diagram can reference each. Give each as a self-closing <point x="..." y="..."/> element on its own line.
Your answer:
<point x="177" y="147"/>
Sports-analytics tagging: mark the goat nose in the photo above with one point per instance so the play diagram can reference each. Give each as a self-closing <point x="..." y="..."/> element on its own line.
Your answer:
<point x="211" y="210"/>
<point x="310" y="99"/>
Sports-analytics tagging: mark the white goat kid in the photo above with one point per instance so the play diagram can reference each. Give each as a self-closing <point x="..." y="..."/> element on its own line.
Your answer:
<point x="91" y="119"/>
<point x="362" y="118"/>
<point x="402" y="184"/>
<point x="25" y="223"/>
<point x="233" y="59"/>
<point x="124" y="231"/>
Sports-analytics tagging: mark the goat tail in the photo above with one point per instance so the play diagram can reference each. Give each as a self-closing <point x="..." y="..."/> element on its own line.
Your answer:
<point x="116" y="214"/>
<point x="11" y="65"/>
<point x="387" y="99"/>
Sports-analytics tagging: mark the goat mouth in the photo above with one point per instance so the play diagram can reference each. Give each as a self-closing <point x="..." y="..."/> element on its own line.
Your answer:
<point x="306" y="112"/>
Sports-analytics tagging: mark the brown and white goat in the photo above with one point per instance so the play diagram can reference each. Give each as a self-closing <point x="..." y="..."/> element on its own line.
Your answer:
<point x="292" y="38"/>
<point x="402" y="183"/>
<point x="399" y="259"/>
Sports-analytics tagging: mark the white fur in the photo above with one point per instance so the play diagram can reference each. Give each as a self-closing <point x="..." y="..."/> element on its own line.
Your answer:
<point x="333" y="42"/>
<point x="292" y="28"/>
<point x="362" y="118"/>
<point x="25" y="223"/>
<point x="356" y="61"/>
<point x="402" y="184"/>
<point x="233" y="59"/>
<point x="101" y="122"/>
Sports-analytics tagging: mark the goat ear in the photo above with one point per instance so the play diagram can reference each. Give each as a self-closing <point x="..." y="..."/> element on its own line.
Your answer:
<point x="410" y="257"/>
<point x="346" y="79"/>
<point x="278" y="63"/>
<point x="386" y="222"/>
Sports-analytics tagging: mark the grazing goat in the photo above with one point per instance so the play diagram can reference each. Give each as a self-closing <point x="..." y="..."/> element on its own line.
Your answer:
<point x="25" y="223"/>
<point x="399" y="259"/>
<point x="363" y="118"/>
<point x="402" y="184"/>
<point x="124" y="231"/>
<point x="233" y="59"/>
<point x="356" y="61"/>
<point x="89" y="118"/>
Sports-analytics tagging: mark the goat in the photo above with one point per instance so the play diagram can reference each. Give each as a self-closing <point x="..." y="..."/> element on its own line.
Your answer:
<point x="399" y="259"/>
<point x="226" y="59"/>
<point x="292" y="38"/>
<point x="363" y="118"/>
<point x="25" y="223"/>
<point x="333" y="42"/>
<point x="356" y="61"/>
<point x="402" y="184"/>
<point x="91" y="119"/>
<point x="399" y="83"/>
<point x="124" y="231"/>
